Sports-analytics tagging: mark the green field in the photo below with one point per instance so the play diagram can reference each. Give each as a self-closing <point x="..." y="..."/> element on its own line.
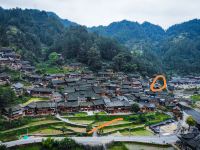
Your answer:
<point x="80" y="114"/>
<point x="141" y="132"/>
<point x="195" y="97"/>
<point x="81" y="121"/>
<point x="51" y="126"/>
<point x="46" y="69"/>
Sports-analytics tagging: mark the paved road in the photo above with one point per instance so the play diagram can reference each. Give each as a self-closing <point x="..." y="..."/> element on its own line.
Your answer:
<point x="69" y="122"/>
<point x="101" y="140"/>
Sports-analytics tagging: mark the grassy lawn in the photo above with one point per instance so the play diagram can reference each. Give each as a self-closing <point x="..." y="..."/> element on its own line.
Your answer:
<point x="115" y="123"/>
<point x="81" y="121"/>
<point x="34" y="99"/>
<point x="47" y="69"/>
<point x="80" y="114"/>
<point x="76" y="114"/>
<point x="42" y="122"/>
<point x="49" y="125"/>
<point x="47" y="131"/>
<point x="74" y="129"/>
<point x="101" y="113"/>
<point x="195" y="97"/>
<point x="17" y="133"/>
<point x="112" y="129"/>
<point x="141" y="132"/>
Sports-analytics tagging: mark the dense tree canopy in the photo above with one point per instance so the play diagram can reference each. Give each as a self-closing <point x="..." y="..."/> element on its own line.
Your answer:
<point x="65" y="144"/>
<point x="175" y="50"/>
<point x="7" y="97"/>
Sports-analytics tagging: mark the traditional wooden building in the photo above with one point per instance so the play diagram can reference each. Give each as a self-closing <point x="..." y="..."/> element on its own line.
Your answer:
<point x="116" y="106"/>
<point x="189" y="141"/>
<point x="40" y="108"/>
<point x="14" y="112"/>
<point x="41" y="92"/>
<point x="68" y="106"/>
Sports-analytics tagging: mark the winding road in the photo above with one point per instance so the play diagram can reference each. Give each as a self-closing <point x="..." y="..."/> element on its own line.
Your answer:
<point x="101" y="140"/>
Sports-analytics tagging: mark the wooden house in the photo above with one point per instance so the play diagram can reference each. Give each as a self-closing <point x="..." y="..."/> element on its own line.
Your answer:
<point x="14" y="112"/>
<point x="41" y="92"/>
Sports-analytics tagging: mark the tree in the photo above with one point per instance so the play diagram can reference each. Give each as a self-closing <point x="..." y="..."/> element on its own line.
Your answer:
<point x="88" y="128"/>
<point x="68" y="144"/>
<point x="135" y="108"/>
<point x="7" y="97"/>
<point x="3" y="147"/>
<point x="53" y="57"/>
<point x="65" y="144"/>
<point x="96" y="117"/>
<point x="142" y="118"/>
<point x="48" y="144"/>
<point x="63" y="129"/>
<point x="100" y="131"/>
<point x="190" y="121"/>
<point x="94" y="58"/>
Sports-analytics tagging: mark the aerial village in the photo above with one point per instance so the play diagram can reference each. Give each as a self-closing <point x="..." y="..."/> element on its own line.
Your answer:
<point x="105" y="91"/>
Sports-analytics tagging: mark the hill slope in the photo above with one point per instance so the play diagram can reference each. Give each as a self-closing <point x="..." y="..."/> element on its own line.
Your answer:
<point x="178" y="47"/>
<point x="36" y="34"/>
<point x="128" y="46"/>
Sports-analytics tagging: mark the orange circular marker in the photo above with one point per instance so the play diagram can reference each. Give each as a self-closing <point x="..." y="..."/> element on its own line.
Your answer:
<point x="154" y="81"/>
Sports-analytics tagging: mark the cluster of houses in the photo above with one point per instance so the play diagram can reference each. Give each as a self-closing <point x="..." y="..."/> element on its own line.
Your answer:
<point x="113" y="92"/>
<point x="190" y="140"/>
<point x="186" y="82"/>
<point x="86" y="91"/>
<point x="9" y="58"/>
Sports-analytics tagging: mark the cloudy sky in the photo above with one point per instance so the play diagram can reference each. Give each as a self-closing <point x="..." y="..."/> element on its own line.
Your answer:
<point x="103" y="12"/>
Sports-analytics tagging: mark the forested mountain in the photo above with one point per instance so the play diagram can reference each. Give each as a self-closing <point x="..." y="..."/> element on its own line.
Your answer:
<point x="181" y="49"/>
<point x="126" y="31"/>
<point x="30" y="32"/>
<point x="124" y="46"/>
<point x="36" y="34"/>
<point x="65" y="22"/>
<point x="178" y="48"/>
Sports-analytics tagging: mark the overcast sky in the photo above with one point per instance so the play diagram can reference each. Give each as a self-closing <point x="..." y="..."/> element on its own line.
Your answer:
<point x="102" y="12"/>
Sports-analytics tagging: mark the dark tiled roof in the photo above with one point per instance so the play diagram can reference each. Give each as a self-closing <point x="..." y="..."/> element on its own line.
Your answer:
<point x="70" y="80"/>
<point x="35" y="76"/>
<point x="72" y="104"/>
<point x="85" y="104"/>
<point x="55" y="82"/>
<point x="192" y="140"/>
<point x="117" y="103"/>
<point x="98" y="90"/>
<point x="13" y="108"/>
<point x="57" y="75"/>
<point x="42" y="90"/>
<point x="99" y="102"/>
<point x="4" y="75"/>
<point x="69" y="90"/>
<point x="42" y="104"/>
